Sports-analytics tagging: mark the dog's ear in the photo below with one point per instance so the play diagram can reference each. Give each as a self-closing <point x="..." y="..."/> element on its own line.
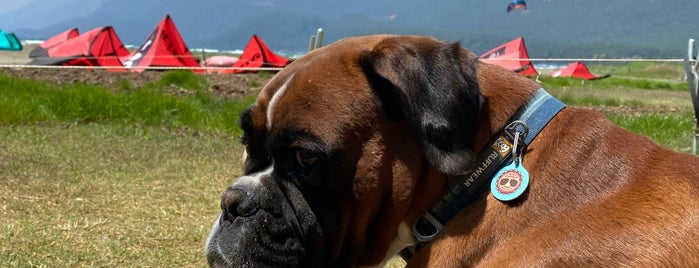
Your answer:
<point x="433" y="86"/>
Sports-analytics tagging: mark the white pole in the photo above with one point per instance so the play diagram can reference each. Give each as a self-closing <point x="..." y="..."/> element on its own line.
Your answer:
<point x="319" y="38"/>
<point x="312" y="43"/>
<point x="693" y="87"/>
<point x="696" y="135"/>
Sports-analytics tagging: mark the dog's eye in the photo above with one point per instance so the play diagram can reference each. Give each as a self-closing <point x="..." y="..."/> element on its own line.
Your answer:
<point x="303" y="166"/>
<point x="305" y="159"/>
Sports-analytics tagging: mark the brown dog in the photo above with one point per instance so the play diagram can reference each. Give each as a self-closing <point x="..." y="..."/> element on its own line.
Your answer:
<point x="350" y="145"/>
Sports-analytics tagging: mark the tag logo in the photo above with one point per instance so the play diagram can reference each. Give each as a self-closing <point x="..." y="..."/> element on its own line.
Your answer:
<point x="502" y="146"/>
<point x="509" y="181"/>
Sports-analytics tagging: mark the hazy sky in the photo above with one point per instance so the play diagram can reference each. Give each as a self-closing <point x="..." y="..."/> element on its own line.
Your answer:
<point x="8" y="5"/>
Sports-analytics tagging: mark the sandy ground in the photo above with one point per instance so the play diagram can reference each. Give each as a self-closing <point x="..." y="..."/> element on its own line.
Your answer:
<point x="16" y="57"/>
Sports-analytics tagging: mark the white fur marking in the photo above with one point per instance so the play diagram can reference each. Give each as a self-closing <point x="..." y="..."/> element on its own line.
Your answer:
<point x="275" y="98"/>
<point x="404" y="238"/>
<point x="253" y="179"/>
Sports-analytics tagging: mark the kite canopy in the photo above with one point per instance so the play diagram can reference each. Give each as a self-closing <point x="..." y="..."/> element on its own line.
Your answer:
<point x="512" y="56"/>
<point x="9" y="41"/>
<point x="55" y="40"/>
<point x="59" y="38"/>
<point x="164" y="47"/>
<point x="577" y="70"/>
<point x="516" y="4"/>
<point x="98" y="47"/>
<point x="257" y="55"/>
<point x="220" y="61"/>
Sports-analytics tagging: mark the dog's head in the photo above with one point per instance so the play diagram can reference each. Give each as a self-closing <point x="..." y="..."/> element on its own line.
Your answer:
<point x="340" y="145"/>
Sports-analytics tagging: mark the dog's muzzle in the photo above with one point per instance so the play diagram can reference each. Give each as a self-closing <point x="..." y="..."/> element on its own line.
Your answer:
<point x="264" y="222"/>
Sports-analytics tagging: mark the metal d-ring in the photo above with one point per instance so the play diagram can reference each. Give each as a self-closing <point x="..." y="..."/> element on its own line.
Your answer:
<point x="517" y="131"/>
<point x="517" y="150"/>
<point x="426" y="220"/>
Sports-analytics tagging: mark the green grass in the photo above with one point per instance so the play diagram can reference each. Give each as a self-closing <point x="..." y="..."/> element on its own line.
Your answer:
<point x="24" y="102"/>
<point x="613" y="82"/>
<point x="664" y="70"/>
<point x="181" y="78"/>
<point x="660" y="110"/>
<point x="672" y="130"/>
<point x="92" y="176"/>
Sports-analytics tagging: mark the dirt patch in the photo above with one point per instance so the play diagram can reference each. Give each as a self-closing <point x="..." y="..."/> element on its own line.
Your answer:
<point x="225" y="85"/>
<point x="632" y="110"/>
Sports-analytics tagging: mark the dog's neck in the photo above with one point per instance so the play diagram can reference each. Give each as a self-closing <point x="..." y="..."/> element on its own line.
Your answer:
<point x="525" y="120"/>
<point x="501" y="100"/>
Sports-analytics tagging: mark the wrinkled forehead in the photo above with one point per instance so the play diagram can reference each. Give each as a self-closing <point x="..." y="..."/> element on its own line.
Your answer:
<point x="319" y="92"/>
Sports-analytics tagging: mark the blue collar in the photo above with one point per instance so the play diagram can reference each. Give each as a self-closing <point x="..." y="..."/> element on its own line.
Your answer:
<point x="462" y="190"/>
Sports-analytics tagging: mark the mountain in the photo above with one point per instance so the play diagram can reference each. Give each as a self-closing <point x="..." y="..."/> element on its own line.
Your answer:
<point x="551" y="28"/>
<point x="37" y="14"/>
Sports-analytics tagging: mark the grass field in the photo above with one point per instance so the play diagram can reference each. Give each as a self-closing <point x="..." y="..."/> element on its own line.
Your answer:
<point x="109" y="195"/>
<point x="92" y="177"/>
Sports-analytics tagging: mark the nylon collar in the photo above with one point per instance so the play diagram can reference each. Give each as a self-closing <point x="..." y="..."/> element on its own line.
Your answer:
<point x="464" y="189"/>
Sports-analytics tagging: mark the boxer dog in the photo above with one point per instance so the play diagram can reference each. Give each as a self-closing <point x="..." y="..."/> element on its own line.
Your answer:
<point x="350" y="145"/>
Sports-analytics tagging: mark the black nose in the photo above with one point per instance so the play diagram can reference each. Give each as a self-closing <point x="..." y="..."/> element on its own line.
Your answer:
<point x="238" y="202"/>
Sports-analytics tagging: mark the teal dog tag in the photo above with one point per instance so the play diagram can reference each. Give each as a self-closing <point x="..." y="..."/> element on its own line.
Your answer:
<point x="510" y="182"/>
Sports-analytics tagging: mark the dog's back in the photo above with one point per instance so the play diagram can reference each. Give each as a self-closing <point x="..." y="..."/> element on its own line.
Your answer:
<point x="599" y="196"/>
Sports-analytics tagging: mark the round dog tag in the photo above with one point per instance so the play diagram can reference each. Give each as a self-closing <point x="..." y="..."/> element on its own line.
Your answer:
<point x="510" y="182"/>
